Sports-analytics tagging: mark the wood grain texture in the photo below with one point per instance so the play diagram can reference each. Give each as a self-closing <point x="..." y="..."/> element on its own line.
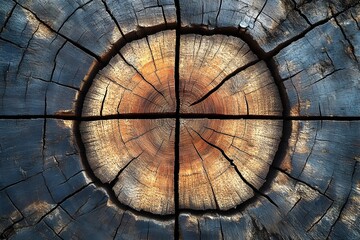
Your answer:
<point x="139" y="79"/>
<point x="163" y="119"/>
<point x="137" y="158"/>
<point x="312" y="205"/>
<point x="205" y="64"/>
<point x="222" y="162"/>
<point x="37" y="80"/>
<point x="333" y="73"/>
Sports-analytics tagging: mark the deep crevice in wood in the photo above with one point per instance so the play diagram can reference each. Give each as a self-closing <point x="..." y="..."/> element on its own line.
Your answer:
<point x="267" y="57"/>
<point x="47" y="25"/>
<point x="231" y="161"/>
<point x="107" y="186"/>
<point x="65" y="116"/>
<point x="181" y="115"/>
<point x="177" y="123"/>
<point x="344" y="205"/>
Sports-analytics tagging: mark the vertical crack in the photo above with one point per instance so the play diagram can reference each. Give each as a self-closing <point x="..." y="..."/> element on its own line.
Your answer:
<point x="8" y="18"/>
<point x="118" y="227"/>
<point x="177" y="123"/>
<point x="103" y="101"/>
<point x="218" y="13"/>
<point x="310" y="153"/>
<point x="207" y="176"/>
<point x="296" y="8"/>
<point x="55" y="58"/>
<point x="351" y="46"/>
<point x="114" y="19"/>
<point x="345" y="203"/>
<point x="257" y="16"/>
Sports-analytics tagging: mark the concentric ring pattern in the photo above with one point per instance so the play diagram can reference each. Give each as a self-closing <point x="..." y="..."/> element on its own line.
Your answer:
<point x="163" y="119"/>
<point x="222" y="163"/>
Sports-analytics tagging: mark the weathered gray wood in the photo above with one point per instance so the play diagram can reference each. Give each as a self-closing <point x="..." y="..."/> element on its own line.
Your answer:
<point x="347" y="224"/>
<point x="304" y="208"/>
<point x="41" y="72"/>
<point x="51" y="12"/>
<point x="39" y="161"/>
<point x="270" y="23"/>
<point x="332" y="73"/>
<point x="132" y="15"/>
<point x="303" y="60"/>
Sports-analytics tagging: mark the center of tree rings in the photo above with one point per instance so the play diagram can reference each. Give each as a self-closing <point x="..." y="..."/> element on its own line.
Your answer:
<point x="224" y="157"/>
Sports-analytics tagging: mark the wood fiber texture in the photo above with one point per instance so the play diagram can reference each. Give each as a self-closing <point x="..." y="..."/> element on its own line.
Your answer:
<point x="179" y="119"/>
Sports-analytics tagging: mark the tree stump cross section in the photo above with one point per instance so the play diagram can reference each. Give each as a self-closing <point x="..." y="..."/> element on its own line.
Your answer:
<point x="182" y="122"/>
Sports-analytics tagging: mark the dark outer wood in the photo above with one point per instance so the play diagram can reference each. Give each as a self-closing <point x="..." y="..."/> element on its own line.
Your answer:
<point x="313" y="205"/>
<point x="308" y="52"/>
<point x="331" y="73"/>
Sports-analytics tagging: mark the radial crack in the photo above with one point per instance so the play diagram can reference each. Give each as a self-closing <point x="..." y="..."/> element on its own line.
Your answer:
<point x="142" y="76"/>
<point x="236" y="169"/>
<point x="207" y="176"/>
<point x="351" y="46"/>
<point x="116" y="179"/>
<point x="82" y="48"/>
<point x="177" y="122"/>
<point x="224" y="80"/>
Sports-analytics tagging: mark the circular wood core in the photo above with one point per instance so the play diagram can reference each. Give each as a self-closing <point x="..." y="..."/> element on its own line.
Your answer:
<point x="147" y="141"/>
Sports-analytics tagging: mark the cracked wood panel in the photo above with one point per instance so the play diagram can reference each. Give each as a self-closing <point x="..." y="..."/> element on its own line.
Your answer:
<point x="101" y="23"/>
<point x="220" y="74"/>
<point x="223" y="163"/>
<point x="139" y="79"/>
<point x="272" y="24"/>
<point x="322" y="201"/>
<point x="39" y="35"/>
<point x="312" y="188"/>
<point x="62" y="202"/>
<point x="136" y="157"/>
<point x="41" y="71"/>
<point x="332" y="73"/>
<point x="316" y="51"/>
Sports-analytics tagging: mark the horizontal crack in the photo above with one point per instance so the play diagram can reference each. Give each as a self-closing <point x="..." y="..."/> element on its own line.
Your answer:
<point x="163" y="115"/>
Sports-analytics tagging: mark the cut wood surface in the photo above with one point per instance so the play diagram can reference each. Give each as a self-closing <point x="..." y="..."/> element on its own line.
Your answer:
<point x="136" y="157"/>
<point x="139" y="79"/>
<point x="206" y="62"/>
<point x="223" y="163"/>
<point x="179" y="119"/>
